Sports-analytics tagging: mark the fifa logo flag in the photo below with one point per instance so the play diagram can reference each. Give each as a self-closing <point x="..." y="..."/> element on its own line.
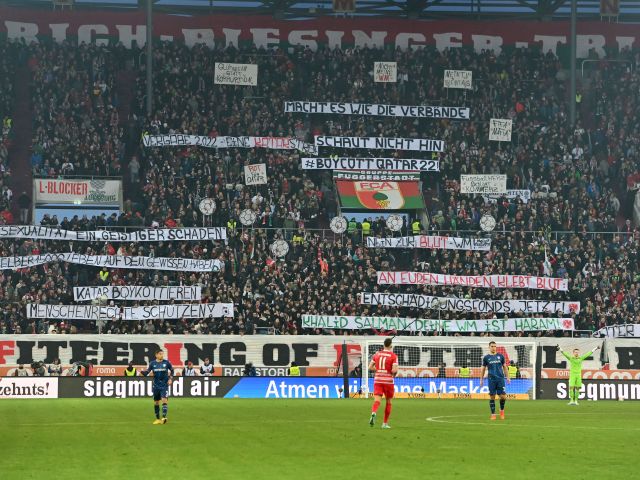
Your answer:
<point x="380" y="195"/>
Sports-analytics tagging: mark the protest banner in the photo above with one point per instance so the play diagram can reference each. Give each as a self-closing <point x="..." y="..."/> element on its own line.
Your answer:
<point x="385" y="72"/>
<point x="476" y="281"/>
<point x="483" y="183"/>
<point x="458" y="79"/>
<point x="381" y="143"/>
<point x="274" y="143"/>
<point x="524" y="195"/>
<point x="468" y="304"/>
<point x="192" y="234"/>
<point x="77" y="191"/>
<point x="147" y="312"/>
<point x="500" y="129"/>
<point x="255" y="174"/>
<point x="136" y="292"/>
<point x="377" y="110"/>
<point x="114" y="261"/>
<point x="626" y="330"/>
<point x="235" y="74"/>
<point x="431" y="242"/>
<point x="338" y="322"/>
<point x="367" y="164"/>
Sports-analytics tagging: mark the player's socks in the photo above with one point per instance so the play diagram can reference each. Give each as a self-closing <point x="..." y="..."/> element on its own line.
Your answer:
<point x="372" y="420"/>
<point x="387" y="412"/>
<point x="165" y="409"/>
<point x="492" y="406"/>
<point x="157" y="410"/>
<point x="502" y="402"/>
<point x="376" y="405"/>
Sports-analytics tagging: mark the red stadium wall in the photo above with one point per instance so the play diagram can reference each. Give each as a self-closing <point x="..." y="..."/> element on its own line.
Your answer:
<point x="102" y="27"/>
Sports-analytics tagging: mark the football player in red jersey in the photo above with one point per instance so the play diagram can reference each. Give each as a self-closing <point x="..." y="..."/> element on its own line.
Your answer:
<point x="385" y="364"/>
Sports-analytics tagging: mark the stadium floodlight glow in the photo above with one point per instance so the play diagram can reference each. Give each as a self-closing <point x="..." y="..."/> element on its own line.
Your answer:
<point x="394" y="223"/>
<point x="487" y="223"/>
<point x="207" y="206"/>
<point x="280" y="248"/>
<point x="247" y="217"/>
<point x="338" y="224"/>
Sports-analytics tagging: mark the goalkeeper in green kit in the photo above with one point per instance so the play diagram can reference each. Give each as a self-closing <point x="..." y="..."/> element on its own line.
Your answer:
<point x="575" y="372"/>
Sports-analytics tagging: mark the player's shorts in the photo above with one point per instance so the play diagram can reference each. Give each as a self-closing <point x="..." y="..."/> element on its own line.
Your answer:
<point x="575" y="381"/>
<point x="160" y="392"/>
<point x="496" y="386"/>
<point x="383" y="389"/>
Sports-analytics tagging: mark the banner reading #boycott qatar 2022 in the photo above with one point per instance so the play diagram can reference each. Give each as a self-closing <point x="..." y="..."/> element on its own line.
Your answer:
<point x="78" y="191"/>
<point x="380" y="195"/>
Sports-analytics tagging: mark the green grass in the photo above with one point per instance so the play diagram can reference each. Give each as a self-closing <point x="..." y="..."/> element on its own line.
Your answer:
<point x="316" y="439"/>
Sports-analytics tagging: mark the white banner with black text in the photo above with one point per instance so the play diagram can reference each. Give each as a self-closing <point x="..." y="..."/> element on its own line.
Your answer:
<point x="381" y="143"/>
<point x="149" y="312"/>
<point x="138" y="292"/>
<point x="192" y="234"/>
<point x="489" y="183"/>
<point x="468" y="304"/>
<point x="431" y="242"/>
<point x="235" y="74"/>
<point x="377" y="110"/>
<point x="458" y="79"/>
<point x="274" y="143"/>
<point x="432" y="325"/>
<point x="476" y="281"/>
<point x="114" y="261"/>
<point x="368" y="164"/>
<point x="524" y="195"/>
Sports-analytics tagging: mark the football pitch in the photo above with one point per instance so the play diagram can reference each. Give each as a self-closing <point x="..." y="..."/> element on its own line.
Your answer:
<point x="313" y="439"/>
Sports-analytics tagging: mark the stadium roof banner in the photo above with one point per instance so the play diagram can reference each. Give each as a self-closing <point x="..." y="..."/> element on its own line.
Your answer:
<point x="468" y="305"/>
<point x="192" y="234"/>
<point x="369" y="164"/>
<point x="431" y="325"/>
<point x="114" y="261"/>
<point x="380" y="195"/>
<point x="476" y="281"/>
<point x="138" y="292"/>
<point x="374" y="109"/>
<point x="274" y="143"/>
<point x="265" y="31"/>
<point x="381" y="143"/>
<point x="77" y="191"/>
<point x="147" y="312"/>
<point x="431" y="242"/>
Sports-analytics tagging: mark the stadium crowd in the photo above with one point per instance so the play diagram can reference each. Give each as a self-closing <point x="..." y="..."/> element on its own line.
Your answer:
<point x="578" y="179"/>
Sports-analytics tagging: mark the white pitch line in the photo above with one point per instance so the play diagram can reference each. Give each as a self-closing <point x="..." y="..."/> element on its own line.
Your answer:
<point x="507" y="423"/>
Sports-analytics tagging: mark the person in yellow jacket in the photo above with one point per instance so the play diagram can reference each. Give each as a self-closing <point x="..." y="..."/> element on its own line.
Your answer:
<point x="513" y="370"/>
<point x="416" y="227"/>
<point x="130" y="371"/>
<point x="465" y="371"/>
<point x="366" y="227"/>
<point x="294" y="370"/>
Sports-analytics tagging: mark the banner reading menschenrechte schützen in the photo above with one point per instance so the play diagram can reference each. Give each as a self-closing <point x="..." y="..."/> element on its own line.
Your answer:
<point x="477" y="281"/>
<point x="114" y="261"/>
<point x="431" y="242"/>
<point x="146" y="235"/>
<point x="432" y="325"/>
<point x="373" y="109"/>
<point x="148" y="312"/>
<point x="368" y="164"/>
<point x="138" y="292"/>
<point x="468" y="304"/>
<point x="274" y="143"/>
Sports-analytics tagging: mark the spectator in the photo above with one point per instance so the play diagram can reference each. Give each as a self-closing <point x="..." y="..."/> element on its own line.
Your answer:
<point x="55" y="369"/>
<point x="189" y="371"/>
<point x="21" y="371"/>
<point x="206" y="369"/>
<point x="24" y="203"/>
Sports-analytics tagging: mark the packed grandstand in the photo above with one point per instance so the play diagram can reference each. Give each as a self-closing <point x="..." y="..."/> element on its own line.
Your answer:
<point x="573" y="218"/>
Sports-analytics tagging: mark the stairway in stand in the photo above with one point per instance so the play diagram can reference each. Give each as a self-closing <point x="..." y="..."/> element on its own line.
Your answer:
<point x="20" y="154"/>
